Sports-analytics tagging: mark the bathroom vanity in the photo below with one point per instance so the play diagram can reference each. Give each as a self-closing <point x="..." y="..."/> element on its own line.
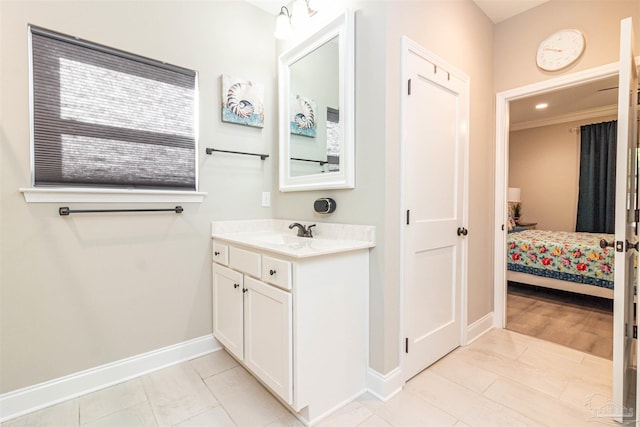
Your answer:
<point x="294" y="310"/>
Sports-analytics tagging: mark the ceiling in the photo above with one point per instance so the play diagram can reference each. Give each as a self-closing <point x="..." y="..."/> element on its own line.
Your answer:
<point x="496" y="10"/>
<point x="572" y="103"/>
<point x="499" y="10"/>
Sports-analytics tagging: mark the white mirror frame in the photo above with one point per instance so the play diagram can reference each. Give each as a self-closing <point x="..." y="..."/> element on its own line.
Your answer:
<point x="343" y="27"/>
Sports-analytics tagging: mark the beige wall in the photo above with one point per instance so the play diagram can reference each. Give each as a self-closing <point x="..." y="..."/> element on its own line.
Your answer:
<point x="517" y="39"/>
<point x="436" y="25"/>
<point x="459" y="33"/>
<point x="366" y="203"/>
<point x="81" y="291"/>
<point x="545" y="163"/>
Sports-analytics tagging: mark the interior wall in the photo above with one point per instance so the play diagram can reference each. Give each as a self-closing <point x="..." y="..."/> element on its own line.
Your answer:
<point x="81" y="291"/>
<point x="544" y="162"/>
<point x="365" y="204"/>
<point x="436" y="25"/>
<point x="376" y="199"/>
<point x="517" y="39"/>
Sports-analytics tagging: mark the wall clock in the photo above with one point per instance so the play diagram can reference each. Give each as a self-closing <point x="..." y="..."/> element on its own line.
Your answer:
<point x="560" y="50"/>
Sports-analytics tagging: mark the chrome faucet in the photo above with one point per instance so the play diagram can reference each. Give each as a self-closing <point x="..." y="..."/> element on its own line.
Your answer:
<point x="302" y="230"/>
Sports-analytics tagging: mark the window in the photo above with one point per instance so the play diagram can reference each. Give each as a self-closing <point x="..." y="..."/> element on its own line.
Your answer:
<point x="103" y="118"/>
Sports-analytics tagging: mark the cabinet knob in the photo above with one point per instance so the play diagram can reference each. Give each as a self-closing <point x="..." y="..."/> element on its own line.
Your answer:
<point x="244" y="290"/>
<point x="272" y="272"/>
<point x="235" y="285"/>
<point x="216" y="253"/>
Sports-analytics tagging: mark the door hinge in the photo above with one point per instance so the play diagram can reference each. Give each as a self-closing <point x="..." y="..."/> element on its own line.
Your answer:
<point x="408" y="217"/>
<point x="637" y="215"/>
<point x="635" y="331"/>
<point x="409" y="87"/>
<point x="406" y="345"/>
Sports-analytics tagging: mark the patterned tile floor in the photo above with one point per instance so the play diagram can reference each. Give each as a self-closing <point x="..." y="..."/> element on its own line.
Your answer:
<point x="501" y="379"/>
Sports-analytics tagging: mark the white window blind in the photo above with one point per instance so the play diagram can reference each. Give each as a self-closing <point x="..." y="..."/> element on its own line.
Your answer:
<point x="104" y="118"/>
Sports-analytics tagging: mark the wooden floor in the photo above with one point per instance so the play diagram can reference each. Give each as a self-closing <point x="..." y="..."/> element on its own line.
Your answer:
<point x="581" y="322"/>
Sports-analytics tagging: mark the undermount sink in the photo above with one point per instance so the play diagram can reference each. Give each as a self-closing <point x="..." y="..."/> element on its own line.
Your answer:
<point x="278" y="239"/>
<point x="275" y="236"/>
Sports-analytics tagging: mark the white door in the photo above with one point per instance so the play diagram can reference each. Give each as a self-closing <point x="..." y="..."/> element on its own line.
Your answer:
<point x="434" y="120"/>
<point x="228" y="309"/>
<point x="268" y="348"/>
<point x="624" y="373"/>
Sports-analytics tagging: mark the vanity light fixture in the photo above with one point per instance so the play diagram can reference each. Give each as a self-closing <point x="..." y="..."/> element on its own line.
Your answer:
<point x="283" y="24"/>
<point x="301" y="12"/>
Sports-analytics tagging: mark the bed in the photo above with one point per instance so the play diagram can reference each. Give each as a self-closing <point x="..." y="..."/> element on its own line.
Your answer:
<point x="572" y="262"/>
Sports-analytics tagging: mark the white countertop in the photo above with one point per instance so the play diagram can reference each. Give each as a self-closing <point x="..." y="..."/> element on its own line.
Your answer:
<point x="276" y="237"/>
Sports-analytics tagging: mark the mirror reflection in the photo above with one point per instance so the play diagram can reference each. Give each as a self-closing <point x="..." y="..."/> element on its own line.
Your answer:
<point x="316" y="109"/>
<point x="314" y="116"/>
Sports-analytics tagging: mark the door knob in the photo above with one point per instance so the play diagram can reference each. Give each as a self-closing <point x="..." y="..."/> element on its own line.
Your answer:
<point x="462" y="231"/>
<point x="605" y="244"/>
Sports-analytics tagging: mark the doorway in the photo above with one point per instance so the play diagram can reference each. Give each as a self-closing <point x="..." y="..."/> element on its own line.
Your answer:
<point x="503" y="101"/>
<point x="544" y="169"/>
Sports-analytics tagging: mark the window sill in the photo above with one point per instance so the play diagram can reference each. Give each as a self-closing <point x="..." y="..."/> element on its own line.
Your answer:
<point x="84" y="195"/>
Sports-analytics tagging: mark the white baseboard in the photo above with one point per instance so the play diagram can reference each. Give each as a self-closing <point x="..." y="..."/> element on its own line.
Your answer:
<point x="479" y="327"/>
<point x="33" y="398"/>
<point x="384" y="387"/>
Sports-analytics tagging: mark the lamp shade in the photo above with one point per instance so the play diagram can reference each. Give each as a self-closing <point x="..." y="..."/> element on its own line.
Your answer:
<point x="513" y="195"/>
<point x="283" y="27"/>
<point x="299" y="14"/>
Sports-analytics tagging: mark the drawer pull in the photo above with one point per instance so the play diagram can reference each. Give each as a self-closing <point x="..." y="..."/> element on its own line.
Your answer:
<point x="272" y="272"/>
<point x="216" y="253"/>
<point x="235" y="285"/>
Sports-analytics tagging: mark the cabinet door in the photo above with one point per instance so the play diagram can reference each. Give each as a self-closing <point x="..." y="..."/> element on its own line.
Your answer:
<point x="227" y="309"/>
<point x="268" y="336"/>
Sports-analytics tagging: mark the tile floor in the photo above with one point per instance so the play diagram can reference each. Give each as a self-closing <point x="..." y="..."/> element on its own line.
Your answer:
<point x="577" y="321"/>
<point x="501" y="379"/>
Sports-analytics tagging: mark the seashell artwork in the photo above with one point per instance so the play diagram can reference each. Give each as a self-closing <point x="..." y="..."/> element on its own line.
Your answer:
<point x="242" y="101"/>
<point x="303" y="116"/>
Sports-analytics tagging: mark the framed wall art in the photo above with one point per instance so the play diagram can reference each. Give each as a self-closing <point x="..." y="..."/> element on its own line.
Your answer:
<point x="242" y="101"/>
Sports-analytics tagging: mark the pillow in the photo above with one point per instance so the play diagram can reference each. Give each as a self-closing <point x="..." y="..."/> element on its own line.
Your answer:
<point x="511" y="224"/>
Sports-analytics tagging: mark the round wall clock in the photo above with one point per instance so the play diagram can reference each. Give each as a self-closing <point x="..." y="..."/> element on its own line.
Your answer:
<point x="560" y="50"/>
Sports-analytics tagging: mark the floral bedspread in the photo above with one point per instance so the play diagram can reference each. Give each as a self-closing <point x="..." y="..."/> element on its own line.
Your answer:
<point x="574" y="257"/>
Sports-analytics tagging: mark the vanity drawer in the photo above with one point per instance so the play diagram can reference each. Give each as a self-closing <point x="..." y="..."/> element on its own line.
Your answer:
<point x="220" y="253"/>
<point x="245" y="261"/>
<point x="277" y="272"/>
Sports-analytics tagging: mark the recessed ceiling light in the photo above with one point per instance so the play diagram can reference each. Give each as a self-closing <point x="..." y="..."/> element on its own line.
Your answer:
<point x="541" y="106"/>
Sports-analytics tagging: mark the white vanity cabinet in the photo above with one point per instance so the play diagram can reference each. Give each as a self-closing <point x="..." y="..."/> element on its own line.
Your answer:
<point x="253" y="321"/>
<point x="299" y="324"/>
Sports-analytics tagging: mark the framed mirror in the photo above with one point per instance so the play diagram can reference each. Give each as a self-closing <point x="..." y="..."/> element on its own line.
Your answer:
<point x="316" y="109"/>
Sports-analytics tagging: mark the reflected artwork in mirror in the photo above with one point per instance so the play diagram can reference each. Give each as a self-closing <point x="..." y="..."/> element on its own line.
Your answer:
<point x="316" y="110"/>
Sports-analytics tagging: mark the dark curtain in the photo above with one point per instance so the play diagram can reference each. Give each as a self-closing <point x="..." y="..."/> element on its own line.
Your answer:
<point x="597" y="192"/>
